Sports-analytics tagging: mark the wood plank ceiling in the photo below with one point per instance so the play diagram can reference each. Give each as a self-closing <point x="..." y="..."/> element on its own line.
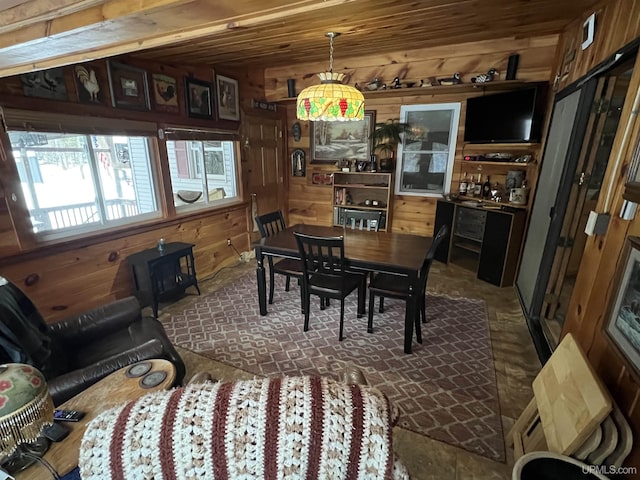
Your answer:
<point x="36" y="34"/>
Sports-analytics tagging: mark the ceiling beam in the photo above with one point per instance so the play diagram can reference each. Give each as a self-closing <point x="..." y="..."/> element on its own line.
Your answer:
<point x="61" y="42"/>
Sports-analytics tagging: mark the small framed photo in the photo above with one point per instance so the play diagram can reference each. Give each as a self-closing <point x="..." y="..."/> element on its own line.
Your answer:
<point x="228" y="102"/>
<point x="622" y="323"/>
<point x="165" y="93"/>
<point x="128" y="87"/>
<point x="198" y="96"/>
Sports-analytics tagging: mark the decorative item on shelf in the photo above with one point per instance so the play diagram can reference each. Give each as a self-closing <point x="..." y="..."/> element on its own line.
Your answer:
<point x="45" y="84"/>
<point x="373" y="164"/>
<point x="128" y="86"/>
<point x="455" y="80"/>
<point x="396" y="83"/>
<point x="374" y="84"/>
<point x="512" y="66"/>
<point x="426" y="83"/>
<point x="518" y="196"/>
<point x="291" y="87"/>
<point x="485" y="77"/>
<point x="331" y="100"/>
<point x="198" y="98"/>
<point x="523" y="159"/>
<point x="386" y="137"/>
<point x="26" y="409"/>
<point x="514" y="179"/>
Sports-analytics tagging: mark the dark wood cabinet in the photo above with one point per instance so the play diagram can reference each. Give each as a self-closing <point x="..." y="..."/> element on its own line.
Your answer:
<point x="163" y="274"/>
<point x="486" y="241"/>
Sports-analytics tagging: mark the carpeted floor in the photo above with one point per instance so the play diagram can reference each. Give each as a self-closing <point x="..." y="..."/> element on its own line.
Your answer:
<point x="446" y="389"/>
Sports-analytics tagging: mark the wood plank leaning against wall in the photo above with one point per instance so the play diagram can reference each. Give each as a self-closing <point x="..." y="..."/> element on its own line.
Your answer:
<point x="313" y="204"/>
<point x="617" y="23"/>
<point x="76" y="275"/>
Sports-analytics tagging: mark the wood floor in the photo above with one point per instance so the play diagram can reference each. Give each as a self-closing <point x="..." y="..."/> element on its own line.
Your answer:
<point x="516" y="364"/>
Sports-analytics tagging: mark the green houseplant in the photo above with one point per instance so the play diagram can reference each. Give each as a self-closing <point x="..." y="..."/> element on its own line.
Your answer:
<point x="386" y="137"/>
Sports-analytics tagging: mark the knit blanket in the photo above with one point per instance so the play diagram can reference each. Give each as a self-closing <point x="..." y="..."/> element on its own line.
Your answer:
<point x="274" y="428"/>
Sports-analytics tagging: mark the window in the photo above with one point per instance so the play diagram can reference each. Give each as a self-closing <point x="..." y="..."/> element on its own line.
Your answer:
<point x="76" y="182"/>
<point x="426" y="154"/>
<point x="188" y="159"/>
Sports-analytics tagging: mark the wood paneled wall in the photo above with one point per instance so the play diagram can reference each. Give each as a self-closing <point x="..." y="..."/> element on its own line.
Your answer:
<point x="312" y="203"/>
<point x="77" y="274"/>
<point x="617" y="23"/>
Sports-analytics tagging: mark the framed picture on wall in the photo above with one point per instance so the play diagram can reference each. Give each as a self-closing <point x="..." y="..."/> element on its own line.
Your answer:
<point x="622" y="322"/>
<point x="45" y="84"/>
<point x="227" y="95"/>
<point x="198" y="97"/>
<point x="128" y="86"/>
<point x="333" y="141"/>
<point x="165" y="93"/>
<point x="90" y="80"/>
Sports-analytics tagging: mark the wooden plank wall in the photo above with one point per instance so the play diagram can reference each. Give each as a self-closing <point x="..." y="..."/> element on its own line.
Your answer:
<point x="76" y="275"/>
<point x="617" y="23"/>
<point x="313" y="204"/>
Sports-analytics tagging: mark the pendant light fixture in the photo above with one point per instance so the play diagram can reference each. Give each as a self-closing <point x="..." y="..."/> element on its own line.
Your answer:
<point x="330" y="101"/>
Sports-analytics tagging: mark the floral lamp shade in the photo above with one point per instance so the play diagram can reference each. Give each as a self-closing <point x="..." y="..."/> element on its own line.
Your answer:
<point x="25" y="406"/>
<point x="330" y="101"/>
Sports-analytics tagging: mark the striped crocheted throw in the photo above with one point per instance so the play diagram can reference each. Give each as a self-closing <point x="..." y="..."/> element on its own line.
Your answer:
<point x="278" y="428"/>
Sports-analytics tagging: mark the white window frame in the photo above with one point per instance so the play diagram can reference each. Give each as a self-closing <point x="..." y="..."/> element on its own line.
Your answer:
<point x="453" y="137"/>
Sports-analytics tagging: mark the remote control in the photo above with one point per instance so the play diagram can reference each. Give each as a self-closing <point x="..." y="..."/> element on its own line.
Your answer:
<point x="67" y="415"/>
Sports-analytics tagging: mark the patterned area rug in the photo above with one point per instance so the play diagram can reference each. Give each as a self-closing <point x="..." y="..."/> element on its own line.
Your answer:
<point x="446" y="389"/>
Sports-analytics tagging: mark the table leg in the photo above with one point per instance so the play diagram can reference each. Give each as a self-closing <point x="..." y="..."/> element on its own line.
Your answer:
<point x="409" y="316"/>
<point x="262" y="283"/>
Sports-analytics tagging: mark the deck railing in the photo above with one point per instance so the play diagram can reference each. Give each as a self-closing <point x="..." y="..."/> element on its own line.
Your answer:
<point x="54" y="218"/>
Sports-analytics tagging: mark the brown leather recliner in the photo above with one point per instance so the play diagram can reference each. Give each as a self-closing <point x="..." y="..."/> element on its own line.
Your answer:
<point x="75" y="353"/>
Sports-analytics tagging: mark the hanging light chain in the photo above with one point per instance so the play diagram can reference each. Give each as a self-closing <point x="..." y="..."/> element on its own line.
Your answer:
<point x="331" y="53"/>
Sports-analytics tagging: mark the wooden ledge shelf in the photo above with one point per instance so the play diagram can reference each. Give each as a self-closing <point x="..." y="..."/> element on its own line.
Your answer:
<point x="436" y="89"/>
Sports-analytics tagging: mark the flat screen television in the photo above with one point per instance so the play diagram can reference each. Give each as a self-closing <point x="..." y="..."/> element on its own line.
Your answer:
<point x="507" y="117"/>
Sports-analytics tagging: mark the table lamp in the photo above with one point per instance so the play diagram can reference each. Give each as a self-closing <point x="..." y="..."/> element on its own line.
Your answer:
<point x="25" y="408"/>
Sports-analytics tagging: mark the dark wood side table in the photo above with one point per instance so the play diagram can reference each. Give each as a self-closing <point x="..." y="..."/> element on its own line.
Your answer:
<point x="159" y="275"/>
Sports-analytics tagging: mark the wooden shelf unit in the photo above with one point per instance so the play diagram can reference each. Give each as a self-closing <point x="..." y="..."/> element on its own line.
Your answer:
<point x="352" y="189"/>
<point x="497" y="170"/>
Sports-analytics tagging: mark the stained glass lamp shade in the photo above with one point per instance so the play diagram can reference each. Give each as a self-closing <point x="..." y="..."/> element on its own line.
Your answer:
<point x="330" y="101"/>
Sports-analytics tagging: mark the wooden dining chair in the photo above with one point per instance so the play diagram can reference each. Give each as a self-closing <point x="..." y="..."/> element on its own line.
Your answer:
<point x="394" y="286"/>
<point x="325" y="275"/>
<point x="270" y="224"/>
<point x="362" y="219"/>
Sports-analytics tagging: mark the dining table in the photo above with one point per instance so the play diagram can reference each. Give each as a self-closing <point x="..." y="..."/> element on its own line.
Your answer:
<point x="367" y="251"/>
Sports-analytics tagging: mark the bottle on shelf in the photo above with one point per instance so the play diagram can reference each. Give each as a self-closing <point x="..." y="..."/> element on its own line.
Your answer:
<point x="463" y="185"/>
<point x="471" y="187"/>
<point x="477" y="190"/>
<point x="486" y="189"/>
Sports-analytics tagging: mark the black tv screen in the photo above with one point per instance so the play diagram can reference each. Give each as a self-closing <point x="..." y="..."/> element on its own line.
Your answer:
<point x="506" y="117"/>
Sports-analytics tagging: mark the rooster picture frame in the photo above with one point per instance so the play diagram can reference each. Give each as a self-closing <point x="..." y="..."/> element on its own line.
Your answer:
<point x="165" y="93"/>
<point x="128" y="87"/>
<point x="90" y="81"/>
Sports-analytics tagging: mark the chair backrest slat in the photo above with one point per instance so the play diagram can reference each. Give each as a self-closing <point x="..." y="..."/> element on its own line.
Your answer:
<point x="323" y="255"/>
<point x="270" y="223"/>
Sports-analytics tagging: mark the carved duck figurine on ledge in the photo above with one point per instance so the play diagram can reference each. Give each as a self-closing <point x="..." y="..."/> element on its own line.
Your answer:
<point x="484" y="77"/>
<point x="455" y="80"/>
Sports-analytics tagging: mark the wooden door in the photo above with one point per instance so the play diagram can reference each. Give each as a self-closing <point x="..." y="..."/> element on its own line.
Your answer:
<point x="602" y="125"/>
<point x="263" y="148"/>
